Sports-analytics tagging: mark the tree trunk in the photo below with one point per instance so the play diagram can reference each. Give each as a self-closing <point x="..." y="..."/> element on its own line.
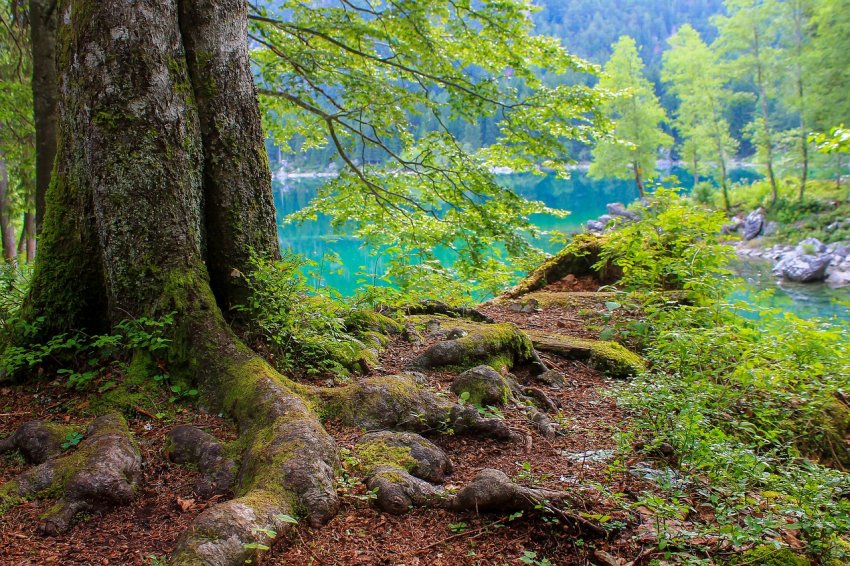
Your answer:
<point x="239" y="208"/>
<point x="43" y="14"/>
<point x="7" y="230"/>
<point x="724" y="182"/>
<point x="638" y="179"/>
<point x="161" y="190"/>
<point x="765" y="114"/>
<point x="29" y="235"/>
<point x="696" y="171"/>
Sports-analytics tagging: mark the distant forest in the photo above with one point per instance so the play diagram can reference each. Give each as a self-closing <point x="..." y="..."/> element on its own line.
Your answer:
<point x="587" y="28"/>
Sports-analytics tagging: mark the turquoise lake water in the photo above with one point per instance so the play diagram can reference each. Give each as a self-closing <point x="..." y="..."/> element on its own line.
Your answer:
<point x="585" y="199"/>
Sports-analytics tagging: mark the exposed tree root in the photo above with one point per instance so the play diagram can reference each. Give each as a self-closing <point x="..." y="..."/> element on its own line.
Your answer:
<point x="496" y="345"/>
<point x="100" y="473"/>
<point x="398" y="491"/>
<point x="401" y="402"/>
<point x="610" y="358"/>
<point x="483" y="386"/>
<point x="438" y="307"/>
<point x="417" y="455"/>
<point x="578" y="259"/>
<point x="38" y="441"/>
<point x="190" y="445"/>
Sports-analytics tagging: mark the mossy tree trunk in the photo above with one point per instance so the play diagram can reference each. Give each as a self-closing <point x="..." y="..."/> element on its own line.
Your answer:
<point x="42" y="15"/>
<point x="161" y="189"/>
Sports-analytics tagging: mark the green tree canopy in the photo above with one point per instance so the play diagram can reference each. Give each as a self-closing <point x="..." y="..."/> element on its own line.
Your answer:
<point x="632" y="152"/>
<point x="696" y="77"/>
<point x="359" y="76"/>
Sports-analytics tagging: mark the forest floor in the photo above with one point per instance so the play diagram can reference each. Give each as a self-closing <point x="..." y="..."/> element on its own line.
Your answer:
<point x="584" y="460"/>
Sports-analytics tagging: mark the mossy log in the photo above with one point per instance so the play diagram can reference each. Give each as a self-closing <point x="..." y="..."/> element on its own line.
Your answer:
<point x="578" y="259"/>
<point x="611" y="358"/>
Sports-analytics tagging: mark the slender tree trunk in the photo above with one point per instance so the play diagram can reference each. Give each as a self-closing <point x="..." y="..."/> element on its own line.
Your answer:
<point x="43" y="14"/>
<point x="799" y="37"/>
<point x="804" y="143"/>
<point x="765" y="114"/>
<point x="29" y="235"/>
<point x="696" y="171"/>
<point x="7" y="230"/>
<point x="724" y="182"/>
<point x="638" y="179"/>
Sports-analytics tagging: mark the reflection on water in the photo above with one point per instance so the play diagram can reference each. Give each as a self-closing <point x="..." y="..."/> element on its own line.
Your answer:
<point x="806" y="300"/>
<point x="583" y="197"/>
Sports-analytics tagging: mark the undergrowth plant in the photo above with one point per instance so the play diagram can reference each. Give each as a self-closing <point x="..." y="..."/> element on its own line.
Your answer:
<point x="299" y="327"/>
<point x="755" y="407"/>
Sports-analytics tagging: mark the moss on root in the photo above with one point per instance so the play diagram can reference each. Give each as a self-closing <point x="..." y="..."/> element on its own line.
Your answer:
<point x="371" y="455"/>
<point x="579" y="259"/>
<point x="610" y="358"/>
<point x="498" y="345"/>
<point x="770" y="556"/>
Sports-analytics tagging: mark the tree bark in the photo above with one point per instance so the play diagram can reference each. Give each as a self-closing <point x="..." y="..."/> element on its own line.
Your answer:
<point x="638" y="179"/>
<point x="45" y="94"/>
<point x="7" y="230"/>
<point x="239" y="208"/>
<point x="765" y="114"/>
<point x="161" y="191"/>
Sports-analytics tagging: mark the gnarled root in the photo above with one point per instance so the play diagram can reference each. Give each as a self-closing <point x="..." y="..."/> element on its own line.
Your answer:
<point x="439" y="307"/>
<point x="287" y="470"/>
<point x="398" y="491"/>
<point x="400" y="402"/>
<point x="497" y="345"/>
<point x="100" y="473"/>
<point x="492" y="491"/>
<point x="38" y="441"/>
<point x="190" y="445"/>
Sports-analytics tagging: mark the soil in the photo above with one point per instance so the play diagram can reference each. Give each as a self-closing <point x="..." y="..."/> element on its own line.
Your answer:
<point x="359" y="534"/>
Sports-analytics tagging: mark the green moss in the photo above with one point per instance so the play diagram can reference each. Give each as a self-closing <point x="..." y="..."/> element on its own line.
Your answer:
<point x="610" y="358"/>
<point x="9" y="496"/>
<point x="499" y="345"/>
<point x="770" y="556"/>
<point x="372" y="396"/>
<point x="136" y="388"/>
<point x="578" y="259"/>
<point x="367" y="320"/>
<point x="371" y="455"/>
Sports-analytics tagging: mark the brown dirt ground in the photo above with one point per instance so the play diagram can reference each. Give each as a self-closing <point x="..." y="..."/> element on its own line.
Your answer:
<point x="359" y="534"/>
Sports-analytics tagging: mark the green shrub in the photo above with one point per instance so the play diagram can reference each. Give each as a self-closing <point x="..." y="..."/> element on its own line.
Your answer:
<point x="299" y="328"/>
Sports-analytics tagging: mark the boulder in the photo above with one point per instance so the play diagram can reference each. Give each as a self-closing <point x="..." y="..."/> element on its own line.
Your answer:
<point x="618" y="209"/>
<point x="803" y="268"/>
<point x="810" y="246"/>
<point x="595" y="226"/>
<point x="753" y="224"/>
